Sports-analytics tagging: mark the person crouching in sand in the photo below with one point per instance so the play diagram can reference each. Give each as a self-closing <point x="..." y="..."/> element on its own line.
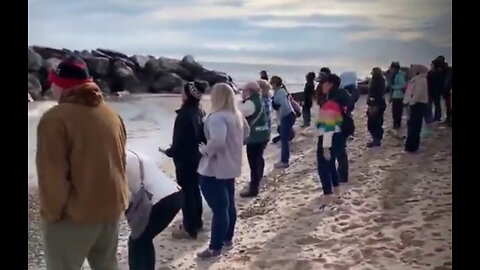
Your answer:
<point x="220" y="164"/>
<point x="166" y="201"/>
<point x="253" y="110"/>
<point x="416" y="97"/>
<point x="187" y="134"/>
<point x="328" y="127"/>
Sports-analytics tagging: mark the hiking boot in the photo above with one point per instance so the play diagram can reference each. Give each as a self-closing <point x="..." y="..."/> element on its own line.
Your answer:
<point x="209" y="253"/>
<point x="281" y="165"/>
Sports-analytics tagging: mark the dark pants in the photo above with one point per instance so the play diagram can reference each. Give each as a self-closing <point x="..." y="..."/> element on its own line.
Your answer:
<point x="192" y="205"/>
<point x="220" y="196"/>
<point x="286" y="126"/>
<point x="257" y="164"/>
<point x="326" y="168"/>
<point x="417" y="113"/>
<point x="437" y="102"/>
<point x="307" y="115"/>
<point x="397" y="112"/>
<point x="342" y="158"/>
<point x="141" y="252"/>
<point x="375" y="122"/>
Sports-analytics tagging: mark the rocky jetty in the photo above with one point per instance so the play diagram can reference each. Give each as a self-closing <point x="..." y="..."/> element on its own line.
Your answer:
<point x="116" y="72"/>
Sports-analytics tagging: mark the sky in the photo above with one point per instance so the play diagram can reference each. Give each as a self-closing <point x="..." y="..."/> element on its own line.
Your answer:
<point x="343" y="33"/>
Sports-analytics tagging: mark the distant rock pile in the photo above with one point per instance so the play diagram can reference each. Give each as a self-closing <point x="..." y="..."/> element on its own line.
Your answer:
<point x="115" y="72"/>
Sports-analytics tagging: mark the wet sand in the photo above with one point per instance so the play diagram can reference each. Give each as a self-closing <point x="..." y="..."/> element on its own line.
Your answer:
<point x="396" y="212"/>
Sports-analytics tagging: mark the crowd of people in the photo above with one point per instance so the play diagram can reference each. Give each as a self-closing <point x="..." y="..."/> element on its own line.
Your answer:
<point x="88" y="179"/>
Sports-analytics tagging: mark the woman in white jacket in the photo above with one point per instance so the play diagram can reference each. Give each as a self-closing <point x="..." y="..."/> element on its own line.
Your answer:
<point x="167" y="200"/>
<point x="416" y="97"/>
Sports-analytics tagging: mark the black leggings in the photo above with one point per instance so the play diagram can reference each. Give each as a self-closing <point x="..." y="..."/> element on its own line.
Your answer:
<point x="141" y="252"/>
<point x="397" y="112"/>
<point x="192" y="204"/>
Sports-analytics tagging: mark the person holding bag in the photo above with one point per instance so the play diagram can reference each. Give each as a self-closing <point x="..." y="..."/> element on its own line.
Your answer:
<point x="155" y="200"/>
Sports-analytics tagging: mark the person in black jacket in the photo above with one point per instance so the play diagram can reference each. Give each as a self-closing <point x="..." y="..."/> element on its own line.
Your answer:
<point x="436" y="78"/>
<point x="308" y="98"/>
<point x="376" y="107"/>
<point x="187" y="135"/>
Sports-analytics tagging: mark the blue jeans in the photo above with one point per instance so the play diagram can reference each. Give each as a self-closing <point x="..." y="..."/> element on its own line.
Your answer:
<point x="327" y="170"/>
<point x="286" y="125"/>
<point x="220" y="197"/>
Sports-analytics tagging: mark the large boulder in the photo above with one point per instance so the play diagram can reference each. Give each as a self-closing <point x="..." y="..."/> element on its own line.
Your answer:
<point x="121" y="70"/>
<point x="189" y="63"/>
<point x="140" y="60"/>
<point x="155" y="69"/>
<point x="213" y="77"/>
<point x="47" y="53"/>
<point x="35" y="60"/>
<point x="112" y="53"/>
<point x="168" y="83"/>
<point x="98" y="66"/>
<point x="174" y="66"/>
<point x="34" y="87"/>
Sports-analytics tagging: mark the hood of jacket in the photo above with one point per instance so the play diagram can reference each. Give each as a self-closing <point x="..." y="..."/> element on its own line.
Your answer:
<point x="88" y="94"/>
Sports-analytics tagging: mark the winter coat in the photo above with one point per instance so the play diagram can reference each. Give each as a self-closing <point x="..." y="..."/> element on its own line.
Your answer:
<point x="81" y="159"/>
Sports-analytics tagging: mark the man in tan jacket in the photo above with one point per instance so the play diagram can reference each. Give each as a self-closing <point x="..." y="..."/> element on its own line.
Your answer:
<point x="81" y="172"/>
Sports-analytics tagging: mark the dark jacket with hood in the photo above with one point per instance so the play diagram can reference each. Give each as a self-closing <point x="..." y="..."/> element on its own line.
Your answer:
<point x="187" y="135"/>
<point x="376" y="92"/>
<point x="81" y="159"/>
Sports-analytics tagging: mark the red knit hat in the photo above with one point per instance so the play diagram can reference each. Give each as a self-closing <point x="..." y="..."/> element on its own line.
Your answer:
<point x="70" y="72"/>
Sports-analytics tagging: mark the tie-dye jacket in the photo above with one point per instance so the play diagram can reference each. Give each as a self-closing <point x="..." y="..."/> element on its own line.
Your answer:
<point x="329" y="121"/>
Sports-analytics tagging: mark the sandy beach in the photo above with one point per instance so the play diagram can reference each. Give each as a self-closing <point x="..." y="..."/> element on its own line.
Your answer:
<point x="395" y="214"/>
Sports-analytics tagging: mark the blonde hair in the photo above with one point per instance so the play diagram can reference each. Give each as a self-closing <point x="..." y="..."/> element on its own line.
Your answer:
<point x="265" y="88"/>
<point x="223" y="98"/>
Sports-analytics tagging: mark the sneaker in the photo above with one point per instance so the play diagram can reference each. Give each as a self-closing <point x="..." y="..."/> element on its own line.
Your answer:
<point x="180" y="233"/>
<point x="209" y="253"/>
<point x="228" y="245"/>
<point x="281" y="165"/>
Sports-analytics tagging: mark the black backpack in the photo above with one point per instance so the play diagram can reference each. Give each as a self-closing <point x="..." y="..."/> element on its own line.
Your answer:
<point x="348" y="125"/>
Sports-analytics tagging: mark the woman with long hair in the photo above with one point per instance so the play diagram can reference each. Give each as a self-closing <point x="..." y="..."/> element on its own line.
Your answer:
<point x="187" y="134"/>
<point x="220" y="164"/>
<point x="376" y="107"/>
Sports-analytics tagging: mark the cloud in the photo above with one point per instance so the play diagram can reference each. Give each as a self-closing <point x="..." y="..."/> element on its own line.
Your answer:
<point x="280" y="31"/>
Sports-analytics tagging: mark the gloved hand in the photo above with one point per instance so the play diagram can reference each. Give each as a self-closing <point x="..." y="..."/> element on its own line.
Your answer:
<point x="203" y="149"/>
<point x="326" y="154"/>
